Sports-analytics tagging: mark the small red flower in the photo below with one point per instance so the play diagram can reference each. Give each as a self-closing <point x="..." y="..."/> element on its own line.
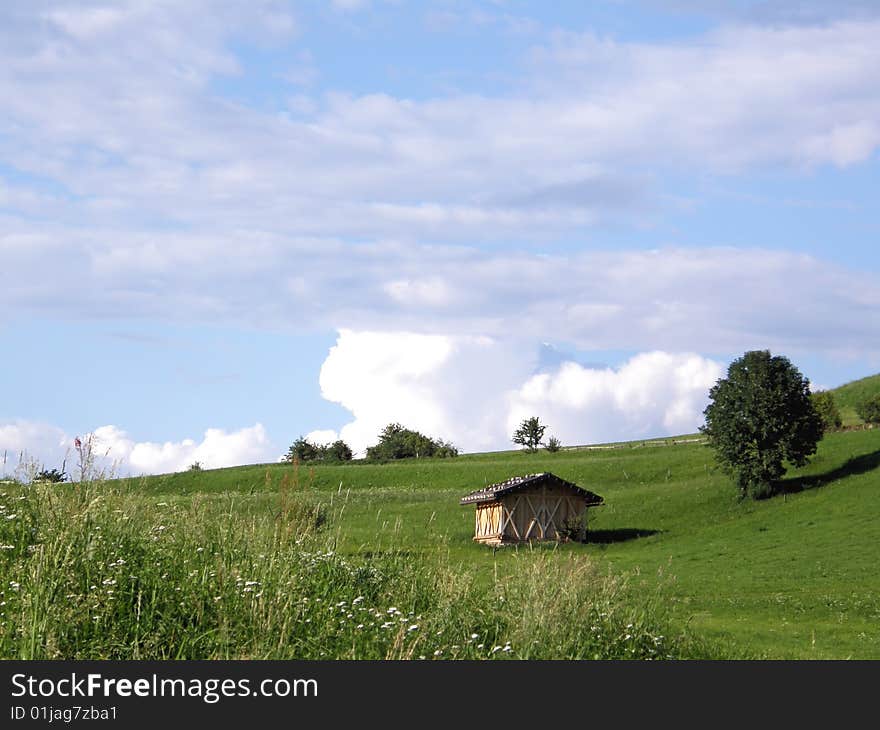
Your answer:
<point x="77" y="443"/>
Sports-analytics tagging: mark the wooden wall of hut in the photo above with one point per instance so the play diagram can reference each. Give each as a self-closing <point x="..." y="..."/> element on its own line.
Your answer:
<point x="488" y="524"/>
<point x="540" y="513"/>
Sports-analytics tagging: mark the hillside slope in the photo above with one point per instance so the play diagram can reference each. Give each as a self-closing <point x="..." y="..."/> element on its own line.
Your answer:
<point x="793" y="576"/>
<point x="849" y="395"/>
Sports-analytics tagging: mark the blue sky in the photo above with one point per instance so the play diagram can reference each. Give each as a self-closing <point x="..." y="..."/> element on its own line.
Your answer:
<point x="227" y="224"/>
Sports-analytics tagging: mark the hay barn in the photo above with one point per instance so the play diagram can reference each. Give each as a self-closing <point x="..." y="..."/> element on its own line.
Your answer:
<point x="533" y="507"/>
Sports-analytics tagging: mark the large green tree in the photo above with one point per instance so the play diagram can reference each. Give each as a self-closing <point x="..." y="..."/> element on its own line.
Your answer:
<point x="759" y="417"/>
<point x="529" y="433"/>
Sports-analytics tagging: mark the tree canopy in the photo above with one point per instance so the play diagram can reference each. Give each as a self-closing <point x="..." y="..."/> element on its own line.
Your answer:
<point x="397" y="442"/>
<point x="826" y="407"/>
<point x="529" y="433"/>
<point x="303" y="450"/>
<point x="869" y="409"/>
<point x="760" y="416"/>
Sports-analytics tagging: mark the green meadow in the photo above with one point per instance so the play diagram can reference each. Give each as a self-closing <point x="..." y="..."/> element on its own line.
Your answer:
<point x="377" y="561"/>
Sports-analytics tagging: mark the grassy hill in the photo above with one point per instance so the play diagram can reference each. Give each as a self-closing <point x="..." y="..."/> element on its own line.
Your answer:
<point x="848" y="396"/>
<point x="793" y="576"/>
<point x="268" y="561"/>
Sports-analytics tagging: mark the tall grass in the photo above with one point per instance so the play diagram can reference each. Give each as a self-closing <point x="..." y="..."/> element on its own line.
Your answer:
<point x="89" y="572"/>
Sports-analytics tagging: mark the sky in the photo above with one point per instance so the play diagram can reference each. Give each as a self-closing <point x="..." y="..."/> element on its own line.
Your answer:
<point x="225" y="225"/>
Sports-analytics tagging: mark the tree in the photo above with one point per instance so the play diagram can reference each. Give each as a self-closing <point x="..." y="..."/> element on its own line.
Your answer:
<point x="553" y="444"/>
<point x="397" y="442"/>
<point x="760" y="416"/>
<point x="445" y="450"/>
<point x="337" y="451"/>
<point x="529" y="433"/>
<point x="302" y="450"/>
<point x="51" y="476"/>
<point x="869" y="409"/>
<point x="823" y="402"/>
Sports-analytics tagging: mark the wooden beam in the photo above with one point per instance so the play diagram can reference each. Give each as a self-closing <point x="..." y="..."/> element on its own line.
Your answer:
<point x="550" y="520"/>
<point x="508" y="519"/>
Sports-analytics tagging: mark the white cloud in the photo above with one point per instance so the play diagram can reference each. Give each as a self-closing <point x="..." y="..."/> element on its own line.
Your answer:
<point x="131" y="129"/>
<point x="144" y="193"/>
<point x="475" y="391"/>
<point x="652" y="394"/>
<point x="117" y="454"/>
<point x="450" y="387"/>
<point x="679" y="299"/>
<point x="322" y="436"/>
<point x="24" y="442"/>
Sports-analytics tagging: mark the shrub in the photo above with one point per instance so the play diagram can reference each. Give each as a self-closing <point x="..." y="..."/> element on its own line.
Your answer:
<point x="553" y="445"/>
<point x="823" y="402"/>
<point x="52" y="476"/>
<point x="445" y="450"/>
<point x="337" y="451"/>
<point x="397" y="442"/>
<point x="302" y="450"/>
<point x="869" y="409"/>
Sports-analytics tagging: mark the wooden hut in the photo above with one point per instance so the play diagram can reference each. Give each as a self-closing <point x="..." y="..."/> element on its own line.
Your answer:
<point x="533" y="507"/>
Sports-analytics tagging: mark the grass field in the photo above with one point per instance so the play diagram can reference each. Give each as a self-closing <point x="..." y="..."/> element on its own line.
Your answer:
<point x="673" y="553"/>
<point x="850" y="395"/>
<point x="376" y="560"/>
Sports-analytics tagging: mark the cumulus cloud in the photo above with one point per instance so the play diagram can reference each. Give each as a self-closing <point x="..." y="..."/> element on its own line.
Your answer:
<point x="23" y="442"/>
<point x="450" y="387"/>
<point x="652" y="394"/>
<point x="322" y="436"/>
<point x="475" y="391"/>
<point x="117" y="454"/>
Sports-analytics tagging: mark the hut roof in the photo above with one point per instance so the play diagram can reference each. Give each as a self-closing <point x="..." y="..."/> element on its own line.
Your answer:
<point x="494" y="491"/>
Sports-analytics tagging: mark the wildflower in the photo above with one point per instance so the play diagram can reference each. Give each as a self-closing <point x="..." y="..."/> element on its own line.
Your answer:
<point x="438" y="652"/>
<point x="475" y="636"/>
<point x="414" y="627"/>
